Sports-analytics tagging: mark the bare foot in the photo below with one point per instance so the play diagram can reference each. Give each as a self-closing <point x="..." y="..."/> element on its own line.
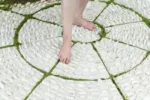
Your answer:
<point x="84" y="23"/>
<point x="65" y="51"/>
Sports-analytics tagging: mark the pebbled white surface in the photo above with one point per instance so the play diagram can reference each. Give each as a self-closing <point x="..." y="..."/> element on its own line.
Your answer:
<point x="119" y="57"/>
<point x="33" y="31"/>
<point x="53" y="88"/>
<point x="135" y="84"/>
<point x="41" y="42"/>
<point x="141" y="6"/>
<point x="50" y="15"/>
<point x="90" y="66"/>
<point x="136" y="34"/>
<point x="84" y="35"/>
<point x="30" y="8"/>
<point x="16" y="77"/>
<point x="8" y="23"/>
<point x="115" y="14"/>
<point x="42" y="54"/>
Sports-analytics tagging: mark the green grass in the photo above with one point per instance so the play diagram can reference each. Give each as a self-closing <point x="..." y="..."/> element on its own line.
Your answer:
<point x="10" y="2"/>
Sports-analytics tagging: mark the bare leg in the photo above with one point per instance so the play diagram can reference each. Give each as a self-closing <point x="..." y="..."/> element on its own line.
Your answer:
<point x="79" y="20"/>
<point x="68" y="14"/>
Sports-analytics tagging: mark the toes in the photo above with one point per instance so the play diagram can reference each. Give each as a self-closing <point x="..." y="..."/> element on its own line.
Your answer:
<point x="92" y="26"/>
<point x="64" y="60"/>
<point x="59" y="56"/>
<point x="61" y="59"/>
<point x="67" y="61"/>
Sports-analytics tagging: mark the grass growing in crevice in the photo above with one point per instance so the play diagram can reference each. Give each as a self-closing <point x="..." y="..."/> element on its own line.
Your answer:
<point x="111" y="76"/>
<point x="53" y="23"/>
<point x="40" y="70"/>
<point x="7" y="46"/>
<point x="7" y="4"/>
<point x="146" y="56"/>
<point x="16" y="42"/>
<point x="116" y="85"/>
<point x="5" y="7"/>
<point x="103" y="33"/>
<point x="123" y="24"/>
<point x="48" y="6"/>
<point x="35" y="86"/>
<point x="74" y="79"/>
<point x="125" y="43"/>
<point x="95" y="49"/>
<point x="108" y="3"/>
<point x="11" y="2"/>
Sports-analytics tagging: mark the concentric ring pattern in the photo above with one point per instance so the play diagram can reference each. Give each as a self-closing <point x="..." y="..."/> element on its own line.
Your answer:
<point x="112" y="63"/>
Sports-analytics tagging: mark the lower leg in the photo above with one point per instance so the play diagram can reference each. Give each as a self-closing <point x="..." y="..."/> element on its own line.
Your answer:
<point x="68" y="13"/>
<point x="81" y="6"/>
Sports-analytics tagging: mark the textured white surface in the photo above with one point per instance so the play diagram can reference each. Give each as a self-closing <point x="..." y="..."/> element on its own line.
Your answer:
<point x="29" y="8"/>
<point x="50" y="15"/>
<point x="119" y="57"/>
<point x="93" y="9"/>
<point x="34" y="30"/>
<point x="42" y="40"/>
<point x="135" y="84"/>
<point x="83" y="35"/>
<point x="85" y="63"/>
<point x="53" y="88"/>
<point x="136" y="34"/>
<point x="42" y="54"/>
<point x="16" y="77"/>
<point x="141" y="6"/>
<point x="8" y="23"/>
<point x="115" y="14"/>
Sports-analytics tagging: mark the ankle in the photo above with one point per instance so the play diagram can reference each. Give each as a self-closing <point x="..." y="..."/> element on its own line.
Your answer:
<point x="66" y="38"/>
<point x="77" y="18"/>
<point x="67" y="42"/>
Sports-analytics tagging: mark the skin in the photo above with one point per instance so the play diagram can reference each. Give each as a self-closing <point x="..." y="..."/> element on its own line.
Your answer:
<point x="72" y="11"/>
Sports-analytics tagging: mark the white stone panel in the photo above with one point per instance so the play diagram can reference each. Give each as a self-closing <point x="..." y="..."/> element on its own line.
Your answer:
<point x="135" y="84"/>
<point x="136" y="34"/>
<point x="85" y="63"/>
<point x="8" y="24"/>
<point x="34" y="30"/>
<point x="115" y="14"/>
<point x="17" y="78"/>
<point x="53" y="88"/>
<point x="29" y="8"/>
<point x="119" y="57"/>
<point x="141" y="6"/>
<point x="84" y="35"/>
<point x="42" y="54"/>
